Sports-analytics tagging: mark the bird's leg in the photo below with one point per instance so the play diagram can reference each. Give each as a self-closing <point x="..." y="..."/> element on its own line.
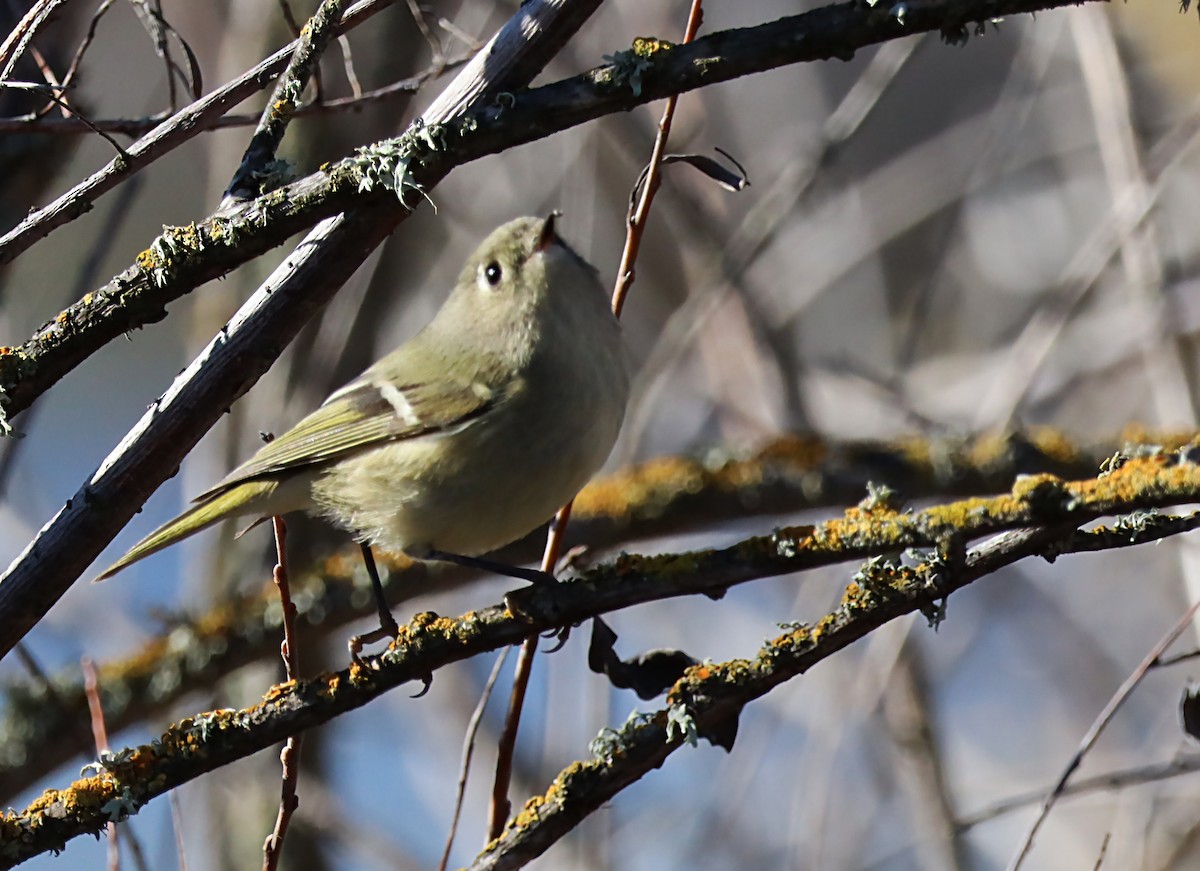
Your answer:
<point x="387" y="623"/>
<point x="534" y="576"/>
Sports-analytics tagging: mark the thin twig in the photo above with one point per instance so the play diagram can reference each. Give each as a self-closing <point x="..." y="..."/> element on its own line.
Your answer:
<point x="32" y="123"/>
<point x="289" y="757"/>
<point x="51" y="92"/>
<point x="435" y="47"/>
<point x="51" y="79"/>
<point x="458" y="33"/>
<point x="289" y="18"/>
<point x="1097" y="727"/>
<point x="636" y="229"/>
<point x="506" y="747"/>
<point x="1103" y="851"/>
<point x="86" y="42"/>
<point x="1114" y="780"/>
<point x="356" y="90"/>
<point x="468" y="751"/>
<point x="177" y="828"/>
<point x="100" y="739"/>
<point x="91" y="688"/>
<point x="1166" y="661"/>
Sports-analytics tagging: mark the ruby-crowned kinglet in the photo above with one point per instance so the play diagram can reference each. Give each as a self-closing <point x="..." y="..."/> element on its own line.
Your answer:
<point x="468" y="436"/>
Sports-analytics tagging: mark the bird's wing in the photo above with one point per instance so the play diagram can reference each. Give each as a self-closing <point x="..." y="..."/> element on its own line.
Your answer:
<point x="366" y="413"/>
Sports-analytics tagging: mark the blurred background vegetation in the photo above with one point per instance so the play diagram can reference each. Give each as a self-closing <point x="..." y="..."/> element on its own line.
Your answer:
<point x="938" y="240"/>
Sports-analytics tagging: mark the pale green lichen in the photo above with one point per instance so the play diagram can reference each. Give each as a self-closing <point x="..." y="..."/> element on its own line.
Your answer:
<point x="6" y="427"/>
<point x="388" y="164"/>
<point x="609" y="743"/>
<point x="681" y="724"/>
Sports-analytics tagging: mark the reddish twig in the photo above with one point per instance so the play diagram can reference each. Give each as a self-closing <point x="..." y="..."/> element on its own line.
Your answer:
<point x="500" y="806"/>
<point x="637" y="221"/>
<point x="91" y="689"/>
<point x="289" y="757"/>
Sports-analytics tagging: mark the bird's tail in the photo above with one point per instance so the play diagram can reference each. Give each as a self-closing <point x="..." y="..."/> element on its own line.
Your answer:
<point x="237" y="500"/>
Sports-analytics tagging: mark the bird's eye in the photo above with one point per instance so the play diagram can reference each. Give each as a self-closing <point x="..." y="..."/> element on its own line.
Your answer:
<point x="493" y="273"/>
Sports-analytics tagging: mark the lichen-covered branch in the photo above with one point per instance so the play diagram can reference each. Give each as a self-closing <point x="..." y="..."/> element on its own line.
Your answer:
<point x="669" y="495"/>
<point x="1039" y="516"/>
<point x="711" y="694"/>
<point x="285" y="99"/>
<point x="797" y="472"/>
<point x="184" y="257"/>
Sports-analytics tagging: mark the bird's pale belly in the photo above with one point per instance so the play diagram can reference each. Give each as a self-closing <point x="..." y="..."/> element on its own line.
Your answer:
<point x="472" y="498"/>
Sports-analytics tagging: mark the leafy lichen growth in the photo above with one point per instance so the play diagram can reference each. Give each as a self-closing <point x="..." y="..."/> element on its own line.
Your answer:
<point x="6" y="427"/>
<point x="610" y="742"/>
<point x="681" y="724"/>
<point x="630" y="65"/>
<point x="388" y="164"/>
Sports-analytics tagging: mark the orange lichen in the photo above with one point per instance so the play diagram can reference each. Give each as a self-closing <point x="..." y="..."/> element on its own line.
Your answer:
<point x="358" y="673"/>
<point x="1029" y="487"/>
<point x="649" y="483"/>
<point x="1056" y="445"/>
<point x="332" y="682"/>
<point x="648" y="46"/>
<point x="148" y="261"/>
<point x="916" y="451"/>
<point x="530" y="811"/>
<point x="278" y="691"/>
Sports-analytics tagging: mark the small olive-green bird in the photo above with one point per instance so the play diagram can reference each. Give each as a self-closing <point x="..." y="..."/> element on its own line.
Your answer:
<point x="466" y="437"/>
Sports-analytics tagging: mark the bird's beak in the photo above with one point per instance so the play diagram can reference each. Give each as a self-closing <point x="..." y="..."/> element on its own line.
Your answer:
<point x="547" y="235"/>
